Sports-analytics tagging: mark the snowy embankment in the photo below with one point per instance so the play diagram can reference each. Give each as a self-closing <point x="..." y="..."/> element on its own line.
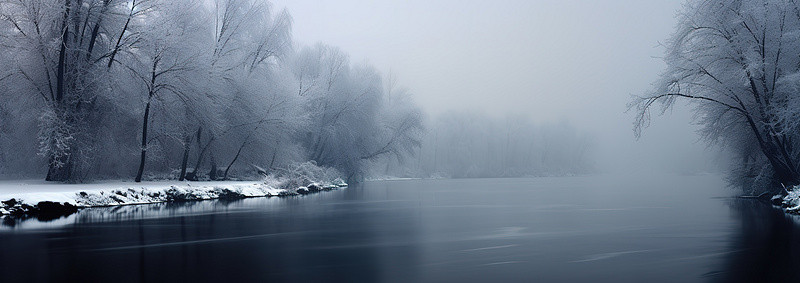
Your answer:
<point x="38" y="197"/>
<point x="791" y="202"/>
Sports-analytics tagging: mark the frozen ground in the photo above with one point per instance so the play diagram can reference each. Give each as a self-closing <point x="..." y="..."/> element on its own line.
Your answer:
<point x="791" y="202"/>
<point x="27" y="194"/>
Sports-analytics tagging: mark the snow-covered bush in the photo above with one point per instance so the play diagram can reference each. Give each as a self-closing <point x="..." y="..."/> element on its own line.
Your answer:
<point x="304" y="174"/>
<point x="792" y="200"/>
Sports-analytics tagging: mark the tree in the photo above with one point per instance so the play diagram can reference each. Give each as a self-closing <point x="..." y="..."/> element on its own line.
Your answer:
<point x="113" y="88"/>
<point x="248" y="40"/>
<point x="163" y="58"/>
<point x="736" y="61"/>
<point x="59" y="47"/>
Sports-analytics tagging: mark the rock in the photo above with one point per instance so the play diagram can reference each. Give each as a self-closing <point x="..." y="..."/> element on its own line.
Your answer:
<point x="10" y="203"/>
<point x="302" y="190"/>
<point x="116" y="198"/>
<point x="226" y="194"/>
<point x="314" y="188"/>
<point x="55" y="209"/>
<point x="339" y="182"/>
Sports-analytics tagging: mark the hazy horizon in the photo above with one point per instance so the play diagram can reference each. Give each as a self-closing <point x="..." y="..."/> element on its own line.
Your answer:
<point x="550" y="61"/>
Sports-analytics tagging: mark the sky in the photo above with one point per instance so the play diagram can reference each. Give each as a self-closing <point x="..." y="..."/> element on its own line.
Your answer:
<point x="550" y="60"/>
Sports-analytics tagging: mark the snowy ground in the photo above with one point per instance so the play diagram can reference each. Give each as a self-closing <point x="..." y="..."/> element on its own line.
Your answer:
<point x="791" y="202"/>
<point x="28" y="194"/>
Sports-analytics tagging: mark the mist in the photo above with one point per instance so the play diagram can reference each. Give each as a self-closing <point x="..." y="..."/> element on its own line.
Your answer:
<point x="548" y="61"/>
<point x="365" y="88"/>
<point x="399" y="141"/>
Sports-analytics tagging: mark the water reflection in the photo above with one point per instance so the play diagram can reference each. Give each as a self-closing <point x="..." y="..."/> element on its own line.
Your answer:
<point x="766" y="242"/>
<point x="125" y="213"/>
<point x="298" y="239"/>
<point x="556" y="229"/>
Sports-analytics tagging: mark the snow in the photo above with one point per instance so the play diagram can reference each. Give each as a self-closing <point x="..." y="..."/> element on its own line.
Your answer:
<point x="792" y="200"/>
<point x="112" y="193"/>
<point x="393" y="178"/>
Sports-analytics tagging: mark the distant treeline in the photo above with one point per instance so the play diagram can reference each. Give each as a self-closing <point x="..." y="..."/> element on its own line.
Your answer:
<point x="464" y="144"/>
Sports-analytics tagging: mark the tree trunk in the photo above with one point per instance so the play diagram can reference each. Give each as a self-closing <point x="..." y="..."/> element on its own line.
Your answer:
<point x="121" y="34"/>
<point x="144" y="141"/>
<point x="201" y="151"/>
<point x="186" y="145"/>
<point x="225" y="175"/>
<point x="96" y="29"/>
<point x="274" y="154"/>
<point x="784" y="173"/>
<point x="62" y="55"/>
<point x="779" y="160"/>
<point x="59" y="173"/>
<point x="213" y="173"/>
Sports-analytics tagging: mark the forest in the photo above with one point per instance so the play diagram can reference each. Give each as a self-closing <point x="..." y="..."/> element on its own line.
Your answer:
<point x="210" y="90"/>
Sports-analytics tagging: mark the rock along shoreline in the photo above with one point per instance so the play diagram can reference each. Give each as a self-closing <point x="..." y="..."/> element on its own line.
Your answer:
<point x="53" y="205"/>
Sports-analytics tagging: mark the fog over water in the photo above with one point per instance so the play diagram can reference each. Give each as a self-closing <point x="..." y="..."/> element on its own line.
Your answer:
<point x="400" y="140"/>
<point x="552" y="61"/>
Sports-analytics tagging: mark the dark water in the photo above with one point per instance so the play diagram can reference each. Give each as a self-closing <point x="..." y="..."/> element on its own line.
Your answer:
<point x="583" y="229"/>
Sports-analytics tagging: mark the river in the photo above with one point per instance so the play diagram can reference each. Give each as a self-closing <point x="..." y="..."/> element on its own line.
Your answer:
<point x="568" y="229"/>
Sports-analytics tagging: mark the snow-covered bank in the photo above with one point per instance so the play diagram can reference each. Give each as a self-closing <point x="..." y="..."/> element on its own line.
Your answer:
<point x="791" y="202"/>
<point x="35" y="197"/>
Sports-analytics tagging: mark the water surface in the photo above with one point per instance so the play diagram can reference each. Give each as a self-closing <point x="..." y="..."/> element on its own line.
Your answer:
<point x="597" y="228"/>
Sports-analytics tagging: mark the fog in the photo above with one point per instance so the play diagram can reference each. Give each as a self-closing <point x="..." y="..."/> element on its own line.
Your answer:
<point x="511" y="88"/>
<point x="578" y="61"/>
<point x="400" y="140"/>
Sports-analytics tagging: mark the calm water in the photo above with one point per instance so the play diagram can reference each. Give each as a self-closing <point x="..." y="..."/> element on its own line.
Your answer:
<point x="665" y="228"/>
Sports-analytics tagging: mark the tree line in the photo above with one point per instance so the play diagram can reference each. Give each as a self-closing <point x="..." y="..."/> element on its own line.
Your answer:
<point x="461" y="144"/>
<point x="186" y="89"/>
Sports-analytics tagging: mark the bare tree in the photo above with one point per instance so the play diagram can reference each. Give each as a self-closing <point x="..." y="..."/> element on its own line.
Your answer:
<point x="735" y="60"/>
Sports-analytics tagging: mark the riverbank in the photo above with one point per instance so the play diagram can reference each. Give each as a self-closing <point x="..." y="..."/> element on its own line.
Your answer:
<point x="791" y="201"/>
<point x="32" y="198"/>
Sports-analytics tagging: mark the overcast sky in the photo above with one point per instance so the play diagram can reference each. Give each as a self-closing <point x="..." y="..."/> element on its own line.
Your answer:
<point x="552" y="60"/>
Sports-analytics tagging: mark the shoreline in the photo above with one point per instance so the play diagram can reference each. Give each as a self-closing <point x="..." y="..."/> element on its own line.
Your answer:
<point x="56" y="203"/>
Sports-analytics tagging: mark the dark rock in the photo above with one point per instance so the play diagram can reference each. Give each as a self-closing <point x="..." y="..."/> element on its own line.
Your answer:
<point x="48" y="210"/>
<point x="21" y="209"/>
<point x="314" y="188"/>
<point x="226" y="194"/>
<point x="116" y="198"/>
<point x="174" y="194"/>
<point x="10" y="203"/>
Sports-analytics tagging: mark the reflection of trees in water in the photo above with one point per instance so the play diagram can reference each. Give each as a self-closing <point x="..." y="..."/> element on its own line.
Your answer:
<point x="331" y="237"/>
<point x="130" y="212"/>
<point x="766" y="248"/>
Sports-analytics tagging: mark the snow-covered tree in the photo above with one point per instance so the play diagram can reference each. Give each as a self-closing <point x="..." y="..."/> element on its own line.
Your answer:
<point x="60" y="49"/>
<point x="113" y="88"/>
<point x="737" y="62"/>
